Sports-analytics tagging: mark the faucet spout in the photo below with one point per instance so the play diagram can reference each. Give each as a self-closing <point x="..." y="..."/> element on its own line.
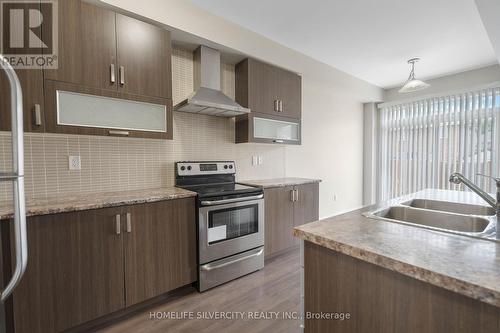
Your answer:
<point x="458" y="178"/>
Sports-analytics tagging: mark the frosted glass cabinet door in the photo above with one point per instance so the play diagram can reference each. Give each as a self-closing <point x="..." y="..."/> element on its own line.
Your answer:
<point x="76" y="109"/>
<point x="277" y="130"/>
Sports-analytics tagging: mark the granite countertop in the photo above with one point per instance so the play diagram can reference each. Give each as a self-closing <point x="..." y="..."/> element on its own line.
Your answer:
<point x="461" y="264"/>
<point x="279" y="182"/>
<point x="70" y="203"/>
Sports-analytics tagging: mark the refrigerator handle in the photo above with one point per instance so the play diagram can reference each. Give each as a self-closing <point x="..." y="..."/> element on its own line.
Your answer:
<point x="17" y="177"/>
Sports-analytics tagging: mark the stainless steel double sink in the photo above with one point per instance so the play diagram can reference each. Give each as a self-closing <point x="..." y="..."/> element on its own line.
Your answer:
<point x="452" y="217"/>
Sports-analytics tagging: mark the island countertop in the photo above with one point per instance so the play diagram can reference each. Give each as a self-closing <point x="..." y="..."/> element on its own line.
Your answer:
<point x="77" y="202"/>
<point x="461" y="264"/>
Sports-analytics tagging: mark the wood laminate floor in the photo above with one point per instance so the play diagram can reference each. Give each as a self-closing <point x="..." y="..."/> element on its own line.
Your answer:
<point x="276" y="288"/>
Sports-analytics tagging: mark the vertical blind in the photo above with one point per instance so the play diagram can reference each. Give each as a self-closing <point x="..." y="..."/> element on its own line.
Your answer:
<point x="422" y="142"/>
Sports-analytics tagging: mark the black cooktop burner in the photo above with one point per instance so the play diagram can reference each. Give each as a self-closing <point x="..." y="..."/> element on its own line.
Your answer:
<point x="224" y="189"/>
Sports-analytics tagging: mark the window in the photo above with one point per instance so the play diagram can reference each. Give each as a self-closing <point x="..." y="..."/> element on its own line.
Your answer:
<point x="422" y="142"/>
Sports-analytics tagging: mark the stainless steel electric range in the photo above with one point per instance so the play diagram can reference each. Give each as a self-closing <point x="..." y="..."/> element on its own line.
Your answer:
<point x="230" y="219"/>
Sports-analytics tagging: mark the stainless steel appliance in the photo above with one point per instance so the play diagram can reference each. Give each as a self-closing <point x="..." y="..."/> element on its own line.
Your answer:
<point x="16" y="176"/>
<point x="230" y="219"/>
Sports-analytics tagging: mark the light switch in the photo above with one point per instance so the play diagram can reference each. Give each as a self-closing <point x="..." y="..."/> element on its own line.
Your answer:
<point x="75" y="163"/>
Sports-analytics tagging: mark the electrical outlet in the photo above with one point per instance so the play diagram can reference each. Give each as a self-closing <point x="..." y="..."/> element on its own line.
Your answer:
<point x="255" y="160"/>
<point x="75" y="163"/>
<point x="260" y="160"/>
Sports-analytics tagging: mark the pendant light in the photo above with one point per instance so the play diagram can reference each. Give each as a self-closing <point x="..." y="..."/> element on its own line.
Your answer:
<point x="413" y="84"/>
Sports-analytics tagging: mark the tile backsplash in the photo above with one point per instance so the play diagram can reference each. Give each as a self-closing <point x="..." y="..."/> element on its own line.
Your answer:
<point x="112" y="163"/>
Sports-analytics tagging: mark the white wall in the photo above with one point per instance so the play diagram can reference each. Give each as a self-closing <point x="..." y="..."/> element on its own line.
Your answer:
<point x="489" y="9"/>
<point x="455" y="82"/>
<point x="332" y="146"/>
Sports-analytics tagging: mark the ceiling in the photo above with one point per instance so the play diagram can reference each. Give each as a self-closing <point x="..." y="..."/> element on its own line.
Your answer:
<point x="370" y="39"/>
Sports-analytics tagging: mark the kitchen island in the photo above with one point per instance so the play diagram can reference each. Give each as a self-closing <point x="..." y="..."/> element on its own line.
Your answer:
<point x="391" y="277"/>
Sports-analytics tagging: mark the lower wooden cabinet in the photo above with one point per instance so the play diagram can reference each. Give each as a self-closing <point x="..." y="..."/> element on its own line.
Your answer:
<point x="160" y="248"/>
<point x="286" y="208"/>
<point x="84" y="265"/>
<point x="381" y="300"/>
<point x="74" y="274"/>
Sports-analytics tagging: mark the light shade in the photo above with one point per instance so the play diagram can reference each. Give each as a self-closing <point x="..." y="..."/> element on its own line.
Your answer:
<point x="414" y="85"/>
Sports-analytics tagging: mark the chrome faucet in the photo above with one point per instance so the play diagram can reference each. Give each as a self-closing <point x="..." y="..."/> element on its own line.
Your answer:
<point x="457" y="178"/>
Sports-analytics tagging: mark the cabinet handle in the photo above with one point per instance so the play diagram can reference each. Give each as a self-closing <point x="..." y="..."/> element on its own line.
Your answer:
<point x="296" y="195"/>
<point x="112" y="71"/>
<point x="275" y="105"/>
<point x="292" y="195"/>
<point x="38" y="115"/>
<point x="122" y="75"/>
<point x="122" y="133"/>
<point x="278" y="141"/>
<point x="129" y="222"/>
<point x="118" y="224"/>
<point x="281" y="106"/>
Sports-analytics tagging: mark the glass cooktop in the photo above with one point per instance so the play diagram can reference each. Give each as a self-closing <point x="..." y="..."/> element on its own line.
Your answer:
<point x="223" y="189"/>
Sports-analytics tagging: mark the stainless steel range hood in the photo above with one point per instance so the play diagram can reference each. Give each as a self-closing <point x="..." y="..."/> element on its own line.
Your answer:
<point x="207" y="97"/>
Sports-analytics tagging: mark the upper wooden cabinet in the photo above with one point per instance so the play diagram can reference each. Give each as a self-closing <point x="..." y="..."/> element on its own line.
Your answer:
<point x="103" y="53"/>
<point x="274" y="96"/>
<point x="86" y="45"/>
<point x="267" y="128"/>
<point x="290" y="94"/>
<point x="114" y="113"/>
<point x="143" y="58"/>
<point x="31" y="81"/>
<point x="102" y="49"/>
<point x="286" y="208"/>
<point x="32" y="85"/>
<point x="268" y="89"/>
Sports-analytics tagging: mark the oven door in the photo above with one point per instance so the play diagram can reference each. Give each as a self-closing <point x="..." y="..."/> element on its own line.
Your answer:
<point x="229" y="228"/>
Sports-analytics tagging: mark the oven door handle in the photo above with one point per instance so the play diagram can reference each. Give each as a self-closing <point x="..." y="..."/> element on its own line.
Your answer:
<point x="226" y="201"/>
<point x="209" y="267"/>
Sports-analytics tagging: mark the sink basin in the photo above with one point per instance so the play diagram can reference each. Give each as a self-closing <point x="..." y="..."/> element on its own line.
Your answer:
<point x="431" y="218"/>
<point x="452" y="207"/>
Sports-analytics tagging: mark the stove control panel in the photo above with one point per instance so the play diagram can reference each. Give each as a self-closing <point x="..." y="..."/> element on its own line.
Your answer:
<point x="205" y="168"/>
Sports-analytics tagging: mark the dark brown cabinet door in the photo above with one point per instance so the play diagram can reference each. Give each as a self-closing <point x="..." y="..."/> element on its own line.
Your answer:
<point x="144" y="58"/>
<point x="306" y="205"/>
<point x="245" y="130"/>
<point x="283" y="213"/>
<point x="270" y="93"/>
<point x="74" y="274"/>
<point x="262" y="87"/>
<point x="160" y="248"/>
<point x="32" y="85"/>
<point x="290" y="94"/>
<point x="259" y="86"/>
<point x="86" y="45"/>
<point x="52" y="125"/>
<point x="278" y="219"/>
<point x="31" y="81"/>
